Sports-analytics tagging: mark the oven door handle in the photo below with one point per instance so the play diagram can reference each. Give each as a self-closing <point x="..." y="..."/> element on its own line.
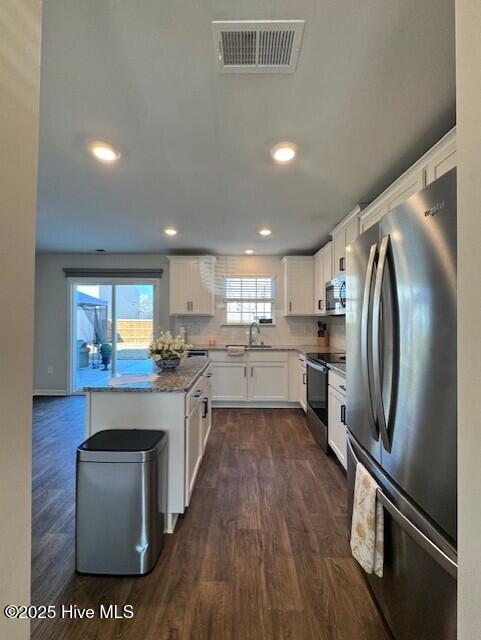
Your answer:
<point x="318" y="367"/>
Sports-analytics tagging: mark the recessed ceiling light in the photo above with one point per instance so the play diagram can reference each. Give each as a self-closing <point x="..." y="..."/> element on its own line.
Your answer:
<point x="284" y="152"/>
<point x="265" y="232"/>
<point x="249" y="251"/>
<point x="104" y="152"/>
<point x="170" y="231"/>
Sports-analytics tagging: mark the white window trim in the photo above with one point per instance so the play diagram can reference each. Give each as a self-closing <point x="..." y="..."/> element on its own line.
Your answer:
<point x="271" y="300"/>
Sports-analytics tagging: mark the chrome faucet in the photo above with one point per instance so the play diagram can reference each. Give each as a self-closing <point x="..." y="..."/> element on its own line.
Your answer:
<point x="251" y="337"/>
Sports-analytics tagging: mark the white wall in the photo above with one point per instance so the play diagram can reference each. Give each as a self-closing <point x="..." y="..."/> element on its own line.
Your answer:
<point x="51" y="307"/>
<point x="290" y="331"/>
<point x="20" y="28"/>
<point x="468" y="30"/>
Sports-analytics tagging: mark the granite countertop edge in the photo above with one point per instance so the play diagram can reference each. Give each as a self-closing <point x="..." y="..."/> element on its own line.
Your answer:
<point x="180" y="380"/>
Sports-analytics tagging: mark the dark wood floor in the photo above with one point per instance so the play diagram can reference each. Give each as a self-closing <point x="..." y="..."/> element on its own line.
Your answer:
<point x="262" y="552"/>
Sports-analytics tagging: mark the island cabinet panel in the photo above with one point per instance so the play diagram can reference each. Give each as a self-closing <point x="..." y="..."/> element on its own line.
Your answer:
<point x="193" y="447"/>
<point x="163" y="411"/>
<point x="184" y="415"/>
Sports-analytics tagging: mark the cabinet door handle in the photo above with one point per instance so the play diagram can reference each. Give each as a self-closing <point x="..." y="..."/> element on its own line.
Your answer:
<point x="206" y="407"/>
<point x="290" y="305"/>
<point x="342" y="264"/>
<point x="252" y="372"/>
<point x="191" y="305"/>
<point x="245" y="372"/>
<point x="343" y="414"/>
<point x="304" y="378"/>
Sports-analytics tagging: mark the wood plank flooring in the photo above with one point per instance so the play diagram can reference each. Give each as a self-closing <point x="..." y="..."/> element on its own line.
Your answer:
<point x="262" y="552"/>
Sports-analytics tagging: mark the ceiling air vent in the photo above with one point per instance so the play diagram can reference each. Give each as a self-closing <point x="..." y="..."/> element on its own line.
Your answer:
<point x="257" y="46"/>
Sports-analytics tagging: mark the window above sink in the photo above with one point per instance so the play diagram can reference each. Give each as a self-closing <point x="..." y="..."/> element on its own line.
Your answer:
<point x="249" y="299"/>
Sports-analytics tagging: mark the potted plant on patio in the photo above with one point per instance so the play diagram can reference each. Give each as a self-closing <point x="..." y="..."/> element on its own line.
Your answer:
<point x="167" y="351"/>
<point x="106" y="353"/>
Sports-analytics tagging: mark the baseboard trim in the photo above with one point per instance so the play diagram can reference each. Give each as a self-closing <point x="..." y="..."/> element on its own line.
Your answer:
<point x="49" y="392"/>
<point x="220" y="404"/>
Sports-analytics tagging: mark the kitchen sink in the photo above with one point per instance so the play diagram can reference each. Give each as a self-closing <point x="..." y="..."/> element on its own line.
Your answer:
<point x="254" y="346"/>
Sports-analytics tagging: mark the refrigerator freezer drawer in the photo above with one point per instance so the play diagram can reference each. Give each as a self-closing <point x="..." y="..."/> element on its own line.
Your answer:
<point x="417" y="593"/>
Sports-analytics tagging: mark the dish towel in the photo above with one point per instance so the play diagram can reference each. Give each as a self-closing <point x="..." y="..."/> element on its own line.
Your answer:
<point x="236" y="350"/>
<point x="367" y="531"/>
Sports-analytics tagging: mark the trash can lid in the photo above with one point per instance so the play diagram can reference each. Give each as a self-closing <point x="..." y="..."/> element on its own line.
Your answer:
<point x="122" y="445"/>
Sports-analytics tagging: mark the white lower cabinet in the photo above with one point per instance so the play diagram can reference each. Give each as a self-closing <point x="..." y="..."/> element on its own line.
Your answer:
<point x="207" y="408"/>
<point x="268" y="381"/>
<point x="302" y="383"/>
<point x="255" y="376"/>
<point x="337" y="427"/>
<point x="193" y="444"/>
<point x="229" y="381"/>
<point x="197" y="429"/>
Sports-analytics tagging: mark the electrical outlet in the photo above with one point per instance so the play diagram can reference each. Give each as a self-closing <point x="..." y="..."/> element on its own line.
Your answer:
<point x="50" y="369"/>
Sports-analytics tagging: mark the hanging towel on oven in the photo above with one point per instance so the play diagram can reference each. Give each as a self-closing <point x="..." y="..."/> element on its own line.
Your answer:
<point x="367" y="531"/>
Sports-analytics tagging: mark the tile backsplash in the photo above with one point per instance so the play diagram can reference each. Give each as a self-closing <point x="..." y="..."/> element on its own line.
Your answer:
<point x="337" y="332"/>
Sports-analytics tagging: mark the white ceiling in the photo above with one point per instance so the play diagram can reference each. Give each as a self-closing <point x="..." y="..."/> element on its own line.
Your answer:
<point x="374" y="89"/>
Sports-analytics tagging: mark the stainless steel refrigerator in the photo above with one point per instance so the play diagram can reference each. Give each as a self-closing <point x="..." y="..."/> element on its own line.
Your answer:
<point x="401" y="402"/>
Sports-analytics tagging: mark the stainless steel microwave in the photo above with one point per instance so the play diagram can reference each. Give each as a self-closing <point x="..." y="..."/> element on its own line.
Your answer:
<point x="336" y="296"/>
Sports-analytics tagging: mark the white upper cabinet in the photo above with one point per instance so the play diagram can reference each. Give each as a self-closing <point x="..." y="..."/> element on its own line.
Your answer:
<point x="352" y="230"/>
<point x="192" y="282"/>
<point x="372" y="215"/>
<point x="443" y="160"/>
<point x="322" y="274"/>
<point x="437" y="161"/>
<point x="339" y="251"/>
<point x="405" y="190"/>
<point x="298" y="285"/>
<point x="342" y="236"/>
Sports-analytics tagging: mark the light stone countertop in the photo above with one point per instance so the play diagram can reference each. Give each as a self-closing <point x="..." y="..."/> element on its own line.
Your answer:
<point x="303" y="349"/>
<point x="338" y="367"/>
<point x="181" y="379"/>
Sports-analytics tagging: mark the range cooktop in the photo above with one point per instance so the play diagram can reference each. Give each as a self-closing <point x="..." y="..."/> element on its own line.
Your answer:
<point x="324" y="358"/>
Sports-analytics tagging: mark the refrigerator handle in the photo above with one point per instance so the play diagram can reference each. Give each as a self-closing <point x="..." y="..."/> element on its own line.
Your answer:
<point x="365" y="357"/>
<point x="418" y="536"/>
<point x="376" y="348"/>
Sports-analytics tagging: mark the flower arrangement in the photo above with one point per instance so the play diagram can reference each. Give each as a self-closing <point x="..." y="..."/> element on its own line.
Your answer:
<point x="167" y="351"/>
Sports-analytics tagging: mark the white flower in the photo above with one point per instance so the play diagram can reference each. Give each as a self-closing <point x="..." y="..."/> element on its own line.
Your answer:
<point x="165" y="347"/>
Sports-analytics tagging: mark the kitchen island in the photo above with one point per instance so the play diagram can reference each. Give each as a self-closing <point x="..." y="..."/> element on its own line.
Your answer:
<point x="177" y="402"/>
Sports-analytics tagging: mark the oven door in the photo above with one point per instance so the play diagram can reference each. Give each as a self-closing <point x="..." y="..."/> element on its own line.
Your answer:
<point x="317" y="389"/>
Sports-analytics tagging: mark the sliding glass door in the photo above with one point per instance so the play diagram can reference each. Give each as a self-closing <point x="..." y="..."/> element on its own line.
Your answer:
<point x="112" y="325"/>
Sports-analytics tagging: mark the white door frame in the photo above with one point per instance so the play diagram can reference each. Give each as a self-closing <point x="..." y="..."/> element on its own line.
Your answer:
<point x="72" y="318"/>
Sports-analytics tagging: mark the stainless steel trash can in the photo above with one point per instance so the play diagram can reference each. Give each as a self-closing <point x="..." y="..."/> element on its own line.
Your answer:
<point x="121" y="501"/>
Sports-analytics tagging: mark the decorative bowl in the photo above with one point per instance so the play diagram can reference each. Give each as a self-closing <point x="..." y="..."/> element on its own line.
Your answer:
<point x="167" y="365"/>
